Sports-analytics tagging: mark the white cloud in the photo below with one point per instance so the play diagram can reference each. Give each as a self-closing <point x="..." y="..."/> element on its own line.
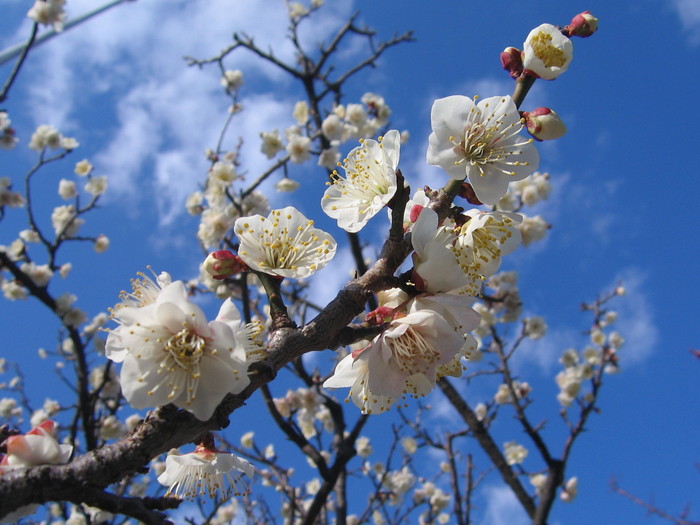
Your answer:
<point x="635" y="320"/>
<point x="689" y="13"/>
<point x="167" y="113"/>
<point x="502" y="507"/>
<point x="545" y="352"/>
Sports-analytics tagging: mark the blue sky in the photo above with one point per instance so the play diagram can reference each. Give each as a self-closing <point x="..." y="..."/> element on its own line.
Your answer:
<point x="623" y="179"/>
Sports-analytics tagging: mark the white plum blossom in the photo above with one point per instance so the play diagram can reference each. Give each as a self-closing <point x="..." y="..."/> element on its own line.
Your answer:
<point x="45" y="136"/>
<point x="355" y="114"/>
<point x="222" y="172"/>
<point x="286" y="185"/>
<point x="538" y="481"/>
<point x="569" y="357"/>
<point x="83" y="168"/>
<point x="439" y="500"/>
<point x="409" y="445"/>
<point x="232" y="79"/>
<point x="514" y="453"/>
<point x="48" y="137"/>
<point x="40" y="274"/>
<point x="369" y="182"/>
<point x="247" y="440"/>
<point x="214" y="225"/>
<point x="96" y="186"/>
<point x="502" y="395"/>
<point x="65" y="222"/>
<point x="7" y="197"/>
<point x="481" y="411"/>
<point x="435" y="266"/>
<point x="298" y="148"/>
<point x="204" y="472"/>
<point x="171" y="354"/>
<point x="535" y="327"/>
<point x="533" y="229"/>
<point x="48" y="12"/>
<point x="301" y="112"/>
<point x="67" y="189"/>
<point x="7" y="133"/>
<point x="406" y="357"/>
<point x="482" y="143"/>
<point x="284" y="244"/>
<point x="297" y="10"/>
<point x="329" y="158"/>
<point x="271" y="143"/>
<point x="400" y="481"/>
<point x="195" y="203"/>
<point x="334" y="128"/>
<point x="546" y="52"/>
<point x="377" y="107"/>
<point x="484" y="239"/>
<point x="568" y="494"/>
<point x="29" y="235"/>
<point x="13" y="291"/>
<point x="101" y="243"/>
<point x="36" y="447"/>
<point x="616" y="340"/>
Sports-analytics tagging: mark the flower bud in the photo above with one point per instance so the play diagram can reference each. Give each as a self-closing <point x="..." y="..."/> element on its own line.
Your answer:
<point x="222" y="264"/>
<point x="583" y="25"/>
<point x="544" y="124"/>
<point x="286" y="185"/>
<point x="512" y="61"/>
<point x="415" y="212"/>
<point x="381" y="315"/>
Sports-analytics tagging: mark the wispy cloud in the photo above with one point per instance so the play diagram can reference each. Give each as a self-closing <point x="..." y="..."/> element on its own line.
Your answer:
<point x="689" y="13"/>
<point x="167" y="113"/>
<point x="636" y="319"/>
<point x="502" y="508"/>
<point x="544" y="353"/>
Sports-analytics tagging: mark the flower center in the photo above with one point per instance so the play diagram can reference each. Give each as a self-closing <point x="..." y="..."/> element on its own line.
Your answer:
<point x="287" y="248"/>
<point x="364" y="176"/>
<point x="412" y="352"/>
<point x="478" y="142"/>
<point x="186" y="348"/>
<point x="550" y="55"/>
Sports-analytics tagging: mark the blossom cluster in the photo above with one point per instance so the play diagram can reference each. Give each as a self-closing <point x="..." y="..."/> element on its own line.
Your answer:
<point x="428" y="322"/>
<point x="37" y="447"/>
<point x="344" y="122"/>
<point x="216" y="210"/>
<point x="66" y="221"/>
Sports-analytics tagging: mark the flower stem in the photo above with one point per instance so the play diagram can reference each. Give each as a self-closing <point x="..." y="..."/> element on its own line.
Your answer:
<point x="522" y="86"/>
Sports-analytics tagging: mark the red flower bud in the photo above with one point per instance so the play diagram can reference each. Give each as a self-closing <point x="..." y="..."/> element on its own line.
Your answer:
<point x="544" y="124"/>
<point x="415" y="212"/>
<point x="512" y="61"/>
<point x="222" y="264"/>
<point x="381" y="315"/>
<point x="583" y="25"/>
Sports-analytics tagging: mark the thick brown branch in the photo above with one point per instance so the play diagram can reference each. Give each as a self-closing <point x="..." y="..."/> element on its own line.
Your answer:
<point x="488" y="445"/>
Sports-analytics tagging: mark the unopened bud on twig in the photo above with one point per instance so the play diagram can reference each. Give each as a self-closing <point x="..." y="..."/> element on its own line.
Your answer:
<point x="222" y="264"/>
<point x="544" y="124"/>
<point x="512" y="61"/>
<point x="583" y="25"/>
